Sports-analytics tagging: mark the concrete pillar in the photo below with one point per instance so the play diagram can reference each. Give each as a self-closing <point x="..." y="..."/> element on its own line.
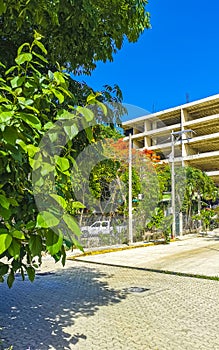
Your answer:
<point x="154" y="125"/>
<point x="184" y="117"/>
<point x="147" y="142"/>
<point x="180" y="224"/>
<point x="147" y="125"/>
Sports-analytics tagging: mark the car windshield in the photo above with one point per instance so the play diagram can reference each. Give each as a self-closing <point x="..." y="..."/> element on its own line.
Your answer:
<point x="96" y="224"/>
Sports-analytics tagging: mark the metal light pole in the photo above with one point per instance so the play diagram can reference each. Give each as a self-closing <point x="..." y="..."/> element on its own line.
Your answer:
<point x="130" y="191"/>
<point x="173" y="194"/>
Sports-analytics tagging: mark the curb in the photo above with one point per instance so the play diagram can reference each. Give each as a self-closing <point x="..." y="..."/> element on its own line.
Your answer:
<point x="166" y="272"/>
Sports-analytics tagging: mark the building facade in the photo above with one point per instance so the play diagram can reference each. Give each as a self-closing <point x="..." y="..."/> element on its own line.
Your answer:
<point x="195" y="126"/>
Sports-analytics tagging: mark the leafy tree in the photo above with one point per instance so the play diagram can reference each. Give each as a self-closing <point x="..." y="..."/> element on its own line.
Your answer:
<point x="190" y="185"/>
<point x="205" y="215"/>
<point x="29" y="102"/>
<point x="33" y="94"/>
<point x="77" y="34"/>
<point x="198" y="185"/>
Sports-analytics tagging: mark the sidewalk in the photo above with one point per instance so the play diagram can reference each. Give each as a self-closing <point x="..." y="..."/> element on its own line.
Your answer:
<point x="193" y="255"/>
<point x="104" y="307"/>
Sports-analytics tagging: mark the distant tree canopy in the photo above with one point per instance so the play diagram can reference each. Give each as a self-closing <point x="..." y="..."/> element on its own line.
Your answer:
<point x="77" y="33"/>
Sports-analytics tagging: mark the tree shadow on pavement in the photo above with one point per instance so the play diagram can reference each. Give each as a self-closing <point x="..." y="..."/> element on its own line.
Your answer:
<point x="35" y="316"/>
<point x="212" y="238"/>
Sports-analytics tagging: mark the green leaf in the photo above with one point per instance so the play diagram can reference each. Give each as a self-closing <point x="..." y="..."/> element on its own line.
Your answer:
<point x="17" y="81"/>
<point x="48" y="126"/>
<point x="11" y="69"/>
<point x="63" y="114"/>
<point x="5" y="213"/>
<point x="46" y="219"/>
<point x="66" y="92"/>
<point x="22" y="273"/>
<point x="3" y="7"/>
<point x="3" y="268"/>
<point x="30" y="120"/>
<point x="77" y="244"/>
<point x="4" y="202"/>
<point x="59" y="96"/>
<point x="87" y="113"/>
<point x="102" y="106"/>
<point x="91" y="99"/>
<point x="31" y="273"/>
<point x="53" y="136"/>
<point x="46" y="168"/>
<point x="89" y="134"/>
<point x="10" y="279"/>
<point x="37" y="36"/>
<point x="53" y="242"/>
<point x="18" y="234"/>
<point x="14" y="249"/>
<point x="24" y="57"/>
<point x="32" y="150"/>
<point x="40" y="57"/>
<point x="10" y="135"/>
<point x="50" y="75"/>
<point x="71" y="223"/>
<point x="35" y="244"/>
<point x="22" y="144"/>
<point x="5" y="241"/>
<point x="6" y="116"/>
<point x="63" y="256"/>
<point x="62" y="163"/>
<point x="41" y="46"/>
<point x="21" y="48"/>
<point x="26" y="102"/>
<point x="59" y="77"/>
<point x="71" y="130"/>
<point x="30" y="225"/>
<point x="35" y="164"/>
<point x="59" y="200"/>
<point x="78" y="205"/>
<point x="13" y="202"/>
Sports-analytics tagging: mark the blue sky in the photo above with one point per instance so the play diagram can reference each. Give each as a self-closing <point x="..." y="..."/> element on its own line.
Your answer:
<point x="178" y="56"/>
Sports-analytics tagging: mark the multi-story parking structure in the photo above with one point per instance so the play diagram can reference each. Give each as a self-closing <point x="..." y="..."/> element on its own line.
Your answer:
<point x="196" y="128"/>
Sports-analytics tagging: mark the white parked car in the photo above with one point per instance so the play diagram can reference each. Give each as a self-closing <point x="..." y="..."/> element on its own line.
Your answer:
<point x="101" y="227"/>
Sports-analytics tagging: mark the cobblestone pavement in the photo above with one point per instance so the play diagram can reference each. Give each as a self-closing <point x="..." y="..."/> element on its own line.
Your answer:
<point x="94" y="307"/>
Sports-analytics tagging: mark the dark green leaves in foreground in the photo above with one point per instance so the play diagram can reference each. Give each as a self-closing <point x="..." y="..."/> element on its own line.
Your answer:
<point x="31" y="102"/>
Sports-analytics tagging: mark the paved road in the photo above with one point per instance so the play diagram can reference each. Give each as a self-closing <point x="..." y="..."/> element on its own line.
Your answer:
<point x="94" y="307"/>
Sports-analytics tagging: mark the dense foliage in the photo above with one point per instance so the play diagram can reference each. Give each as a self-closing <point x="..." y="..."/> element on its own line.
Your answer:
<point x="29" y="102"/>
<point x="77" y="34"/>
<point x="34" y="93"/>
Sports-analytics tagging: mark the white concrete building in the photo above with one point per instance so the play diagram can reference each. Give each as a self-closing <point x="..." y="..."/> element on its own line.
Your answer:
<point x="198" y="148"/>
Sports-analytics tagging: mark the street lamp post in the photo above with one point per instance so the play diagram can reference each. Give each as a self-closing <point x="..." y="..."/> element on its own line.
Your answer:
<point x="173" y="193"/>
<point x="130" y="191"/>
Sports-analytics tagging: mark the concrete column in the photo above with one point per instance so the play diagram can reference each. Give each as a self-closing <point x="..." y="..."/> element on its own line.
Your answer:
<point x="184" y="116"/>
<point x="147" y="142"/>
<point x="154" y="125"/>
<point x="180" y="224"/>
<point x="199" y="211"/>
<point x="147" y="125"/>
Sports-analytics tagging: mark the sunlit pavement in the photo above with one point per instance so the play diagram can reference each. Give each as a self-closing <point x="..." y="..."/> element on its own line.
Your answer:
<point x="101" y="307"/>
<point x="197" y="255"/>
